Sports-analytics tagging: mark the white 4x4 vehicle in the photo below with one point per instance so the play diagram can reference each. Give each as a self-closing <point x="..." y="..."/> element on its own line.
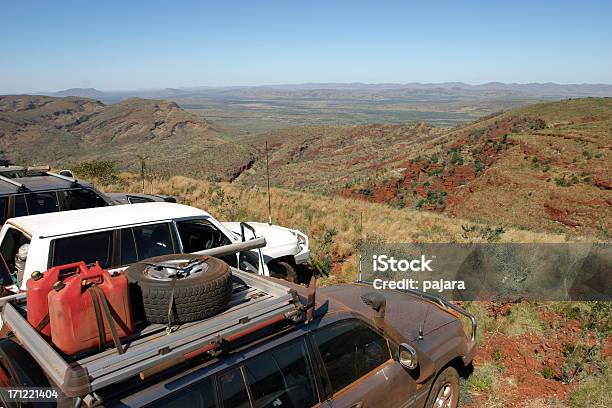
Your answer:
<point x="118" y="236"/>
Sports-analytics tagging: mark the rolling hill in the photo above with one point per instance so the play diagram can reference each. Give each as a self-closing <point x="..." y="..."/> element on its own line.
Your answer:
<point x="544" y="167"/>
<point x="60" y="131"/>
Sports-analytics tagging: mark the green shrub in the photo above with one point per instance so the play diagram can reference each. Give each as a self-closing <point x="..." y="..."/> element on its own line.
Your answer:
<point x="562" y="182"/>
<point x="98" y="170"/>
<point x="484" y="378"/>
<point x="320" y="258"/>
<point x="486" y="323"/>
<point x="574" y="179"/>
<point x="547" y="373"/>
<point x="522" y="318"/>
<point x="456" y="158"/>
<point x="488" y="233"/>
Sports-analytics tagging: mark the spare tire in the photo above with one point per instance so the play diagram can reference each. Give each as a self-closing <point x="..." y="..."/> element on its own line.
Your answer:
<point x="201" y="286"/>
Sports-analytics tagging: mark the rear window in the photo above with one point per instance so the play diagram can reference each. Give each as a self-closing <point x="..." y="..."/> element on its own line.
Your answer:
<point x="82" y="198"/>
<point x="147" y="241"/>
<point x="88" y="248"/>
<point x="153" y="240"/>
<point x="42" y="203"/>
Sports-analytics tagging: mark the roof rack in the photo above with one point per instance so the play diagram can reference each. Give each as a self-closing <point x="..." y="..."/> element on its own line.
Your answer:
<point x="256" y="303"/>
<point x="74" y="182"/>
<point x="20" y="187"/>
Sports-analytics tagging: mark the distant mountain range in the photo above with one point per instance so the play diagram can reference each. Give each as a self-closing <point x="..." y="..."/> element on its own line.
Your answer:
<point x="80" y="92"/>
<point x="336" y="90"/>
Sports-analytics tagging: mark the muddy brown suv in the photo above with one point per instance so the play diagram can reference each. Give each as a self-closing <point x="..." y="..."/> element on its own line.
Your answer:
<point x="352" y="346"/>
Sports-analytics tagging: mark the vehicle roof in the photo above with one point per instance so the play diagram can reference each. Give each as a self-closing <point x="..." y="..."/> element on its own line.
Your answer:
<point x="37" y="183"/>
<point x="75" y="221"/>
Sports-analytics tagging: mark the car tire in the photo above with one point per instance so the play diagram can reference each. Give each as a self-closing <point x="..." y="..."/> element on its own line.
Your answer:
<point x="196" y="297"/>
<point x="283" y="270"/>
<point x="444" y="392"/>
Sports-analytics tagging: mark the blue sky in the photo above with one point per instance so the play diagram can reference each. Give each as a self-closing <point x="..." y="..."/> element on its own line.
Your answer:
<point x="52" y="45"/>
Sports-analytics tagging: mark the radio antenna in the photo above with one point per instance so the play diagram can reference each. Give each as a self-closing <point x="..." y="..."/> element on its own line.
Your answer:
<point x="268" y="179"/>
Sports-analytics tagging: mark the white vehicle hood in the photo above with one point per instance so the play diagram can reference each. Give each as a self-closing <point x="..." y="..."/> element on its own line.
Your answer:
<point x="280" y="241"/>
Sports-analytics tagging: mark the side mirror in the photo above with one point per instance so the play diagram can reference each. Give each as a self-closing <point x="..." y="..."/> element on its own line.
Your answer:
<point x="408" y="356"/>
<point x="67" y="173"/>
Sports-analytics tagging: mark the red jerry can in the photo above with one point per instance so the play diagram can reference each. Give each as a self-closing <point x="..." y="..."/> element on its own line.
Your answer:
<point x="77" y="323"/>
<point x="37" y="290"/>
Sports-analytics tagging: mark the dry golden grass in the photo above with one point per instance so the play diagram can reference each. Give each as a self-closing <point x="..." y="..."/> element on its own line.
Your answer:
<point x="335" y="225"/>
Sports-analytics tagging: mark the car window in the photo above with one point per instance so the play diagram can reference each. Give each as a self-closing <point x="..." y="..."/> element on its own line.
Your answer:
<point x="198" y="235"/>
<point x="21" y="208"/>
<point x="282" y="377"/>
<point x="3" y="209"/>
<point x="9" y="264"/>
<point x="87" y="247"/>
<point x="42" y="203"/>
<point x="199" y="395"/>
<point x="138" y="200"/>
<point x="232" y="390"/>
<point x="153" y="240"/>
<point x="80" y="198"/>
<point x="350" y="349"/>
<point x="128" y="247"/>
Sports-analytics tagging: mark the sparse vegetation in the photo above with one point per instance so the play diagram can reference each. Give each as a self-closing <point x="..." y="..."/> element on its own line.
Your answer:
<point x="522" y="318"/>
<point x="485" y="232"/>
<point x="102" y="171"/>
<point x="317" y="215"/>
<point x="593" y="392"/>
<point x="547" y="373"/>
<point x="485" y="378"/>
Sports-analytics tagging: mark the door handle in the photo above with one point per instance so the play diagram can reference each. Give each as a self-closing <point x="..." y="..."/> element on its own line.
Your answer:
<point x="357" y="405"/>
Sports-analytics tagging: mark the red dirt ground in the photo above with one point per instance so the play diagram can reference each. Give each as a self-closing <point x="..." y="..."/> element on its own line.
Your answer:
<point x="524" y="358"/>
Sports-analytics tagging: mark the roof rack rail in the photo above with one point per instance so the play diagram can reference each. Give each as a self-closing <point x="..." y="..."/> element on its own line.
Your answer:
<point x="20" y="187"/>
<point x="256" y="303"/>
<point x="73" y="181"/>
